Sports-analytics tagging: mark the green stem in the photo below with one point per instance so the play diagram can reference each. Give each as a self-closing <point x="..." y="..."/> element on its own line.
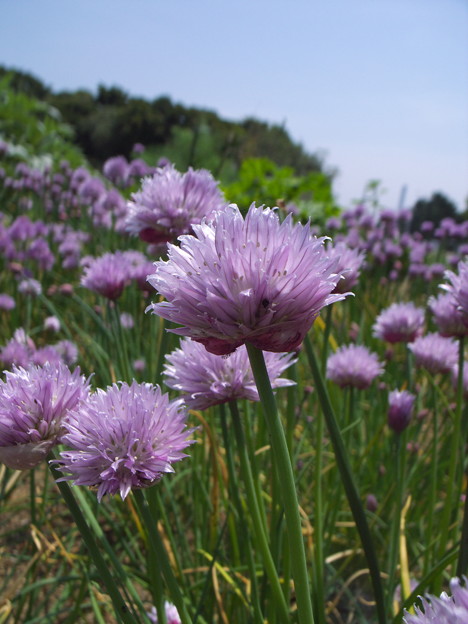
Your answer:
<point x="120" y="607"/>
<point x="433" y="482"/>
<point x="285" y="475"/>
<point x="400" y="450"/>
<point x="233" y="487"/>
<point x="32" y="495"/>
<point x="159" y="552"/>
<point x="319" y="523"/>
<point x="255" y="514"/>
<point x="348" y="481"/>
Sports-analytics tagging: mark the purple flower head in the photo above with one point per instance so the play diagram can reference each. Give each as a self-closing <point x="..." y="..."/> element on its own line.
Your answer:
<point x="447" y="317"/>
<point x="17" y="351"/>
<point x="372" y="503"/>
<point x="400" y="322"/>
<point x="139" y="365"/>
<point x="427" y="226"/>
<point x="255" y="280"/>
<point x="333" y="223"/>
<point x="139" y="267"/>
<point x="30" y="286"/>
<point x="78" y="176"/>
<point x="444" y="610"/>
<point x="68" y="351"/>
<point x="124" y="437"/>
<point x="458" y="288"/>
<point x="39" y="251"/>
<point x="349" y="265"/>
<point x="354" y="366"/>
<point x="206" y="379"/>
<point x="139" y="168"/>
<point x="52" y="324"/>
<point x="127" y="321"/>
<point x="33" y="404"/>
<point x="163" y="162"/>
<point x="170" y="202"/>
<point x="435" y="353"/>
<point x="6" y="302"/>
<point x="45" y="355"/>
<point x="107" y="275"/>
<point x="172" y="615"/>
<point x="91" y="189"/>
<point x="116" y="170"/>
<point x="400" y="406"/>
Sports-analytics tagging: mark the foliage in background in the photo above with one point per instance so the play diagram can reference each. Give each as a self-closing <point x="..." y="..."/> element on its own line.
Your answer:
<point x="435" y="209"/>
<point x="309" y="196"/>
<point x="35" y="129"/>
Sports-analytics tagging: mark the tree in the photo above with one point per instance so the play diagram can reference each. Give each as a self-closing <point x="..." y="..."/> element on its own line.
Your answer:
<point x="435" y="209"/>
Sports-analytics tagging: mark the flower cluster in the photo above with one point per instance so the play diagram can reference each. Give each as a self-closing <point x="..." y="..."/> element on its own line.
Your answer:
<point x="124" y="437"/>
<point x="242" y="280"/>
<point x="20" y="350"/>
<point x="447" y="317"/>
<point x="169" y="203"/>
<point x="458" y="288"/>
<point x="206" y="379"/>
<point x="400" y="406"/>
<point x="110" y="273"/>
<point x="400" y="322"/>
<point x="435" y="353"/>
<point x="354" y="366"/>
<point x="33" y="405"/>
<point x="106" y="275"/>
<point x="350" y="262"/>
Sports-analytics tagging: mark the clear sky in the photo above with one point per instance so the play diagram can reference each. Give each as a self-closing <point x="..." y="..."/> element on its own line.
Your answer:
<point x="379" y="87"/>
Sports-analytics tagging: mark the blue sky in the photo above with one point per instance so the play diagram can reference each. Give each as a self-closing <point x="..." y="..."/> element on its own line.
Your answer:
<point x="379" y="87"/>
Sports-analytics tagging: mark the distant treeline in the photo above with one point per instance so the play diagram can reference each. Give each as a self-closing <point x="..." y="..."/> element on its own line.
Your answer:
<point x="110" y="122"/>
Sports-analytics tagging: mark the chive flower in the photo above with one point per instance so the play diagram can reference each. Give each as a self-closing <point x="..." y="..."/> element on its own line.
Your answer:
<point x="124" y="437"/>
<point x="435" y="353"/>
<point x="447" y="316"/>
<point x="206" y="379"/>
<point x="350" y="262"/>
<point x="458" y="287"/>
<point x="239" y="280"/>
<point x="170" y="202"/>
<point x="353" y="366"/>
<point x="33" y="405"/>
<point x="400" y="322"/>
<point x="400" y="406"/>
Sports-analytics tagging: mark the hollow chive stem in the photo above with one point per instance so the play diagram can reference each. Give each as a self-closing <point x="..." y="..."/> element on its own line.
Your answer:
<point x="348" y="480"/>
<point x="282" y="463"/>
